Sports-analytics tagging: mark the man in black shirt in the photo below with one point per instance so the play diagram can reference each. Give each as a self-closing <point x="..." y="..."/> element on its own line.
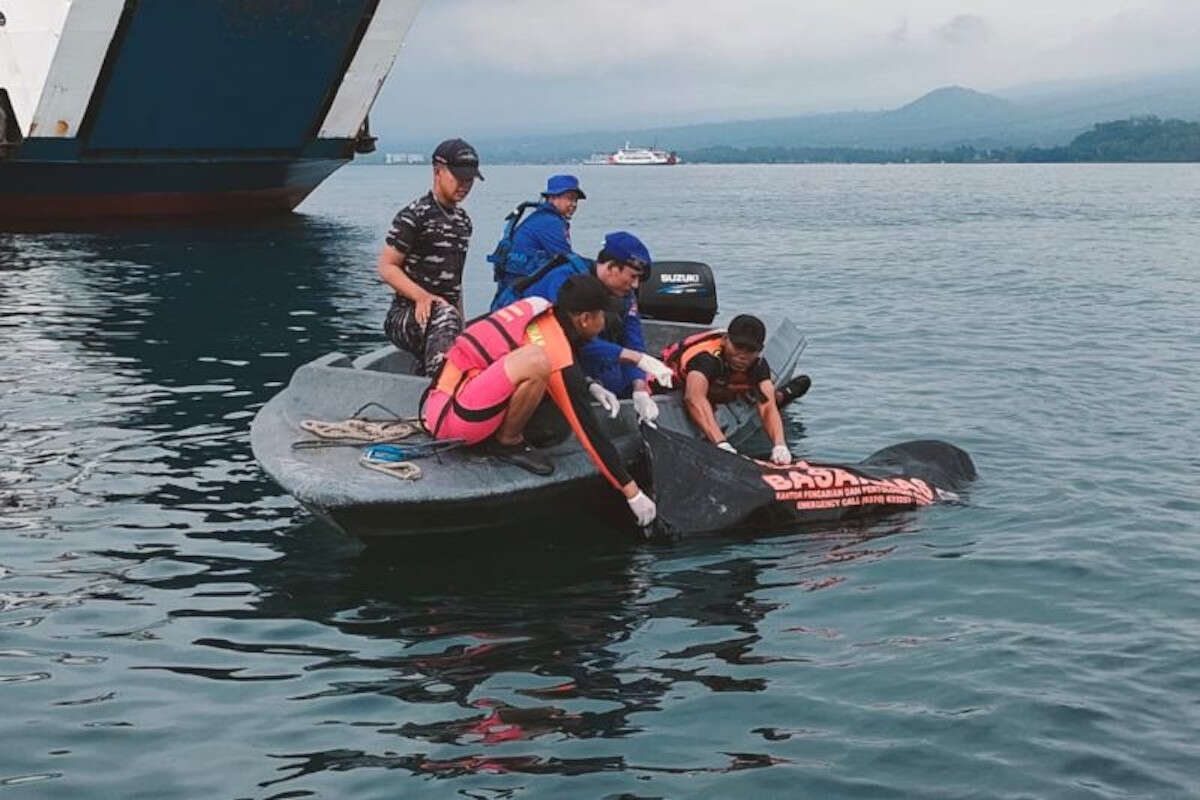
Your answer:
<point x="719" y="368"/>
<point x="423" y="259"/>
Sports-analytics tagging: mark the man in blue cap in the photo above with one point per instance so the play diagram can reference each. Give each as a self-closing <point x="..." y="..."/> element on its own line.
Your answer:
<point x="548" y="229"/>
<point x="616" y="358"/>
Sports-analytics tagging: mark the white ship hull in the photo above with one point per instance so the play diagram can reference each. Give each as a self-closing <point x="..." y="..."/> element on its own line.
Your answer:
<point x="629" y="156"/>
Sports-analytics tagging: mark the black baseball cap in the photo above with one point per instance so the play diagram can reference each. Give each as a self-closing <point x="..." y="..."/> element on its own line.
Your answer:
<point x="584" y="292"/>
<point x="747" y="332"/>
<point x="459" y="157"/>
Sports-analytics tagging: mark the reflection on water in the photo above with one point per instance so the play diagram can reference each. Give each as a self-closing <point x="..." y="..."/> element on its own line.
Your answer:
<point x="155" y="345"/>
<point x="459" y="620"/>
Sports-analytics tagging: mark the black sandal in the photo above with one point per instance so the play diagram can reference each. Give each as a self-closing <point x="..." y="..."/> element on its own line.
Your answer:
<point x="520" y="455"/>
<point x="794" y="389"/>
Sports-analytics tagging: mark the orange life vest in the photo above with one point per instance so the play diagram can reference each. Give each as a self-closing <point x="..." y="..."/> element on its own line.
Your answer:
<point x="677" y="356"/>
<point x="528" y="321"/>
<point x="489" y="339"/>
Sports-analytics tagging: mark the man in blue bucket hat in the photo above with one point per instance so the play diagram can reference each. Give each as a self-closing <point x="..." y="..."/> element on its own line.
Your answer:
<point x="548" y="229"/>
<point x="616" y="358"/>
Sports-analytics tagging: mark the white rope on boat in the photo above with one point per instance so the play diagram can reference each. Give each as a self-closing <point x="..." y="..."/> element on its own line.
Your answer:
<point x="363" y="430"/>
<point x="404" y="470"/>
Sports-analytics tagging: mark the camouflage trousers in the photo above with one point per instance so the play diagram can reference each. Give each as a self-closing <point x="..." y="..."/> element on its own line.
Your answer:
<point x="428" y="342"/>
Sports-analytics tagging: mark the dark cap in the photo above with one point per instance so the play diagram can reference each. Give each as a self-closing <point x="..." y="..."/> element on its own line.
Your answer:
<point x="623" y="246"/>
<point x="584" y="292"/>
<point x="561" y="184"/>
<point x="747" y="332"/>
<point x="459" y="157"/>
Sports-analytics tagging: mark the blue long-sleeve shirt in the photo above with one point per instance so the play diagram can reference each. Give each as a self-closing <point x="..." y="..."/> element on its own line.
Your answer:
<point x="600" y="357"/>
<point x="545" y="230"/>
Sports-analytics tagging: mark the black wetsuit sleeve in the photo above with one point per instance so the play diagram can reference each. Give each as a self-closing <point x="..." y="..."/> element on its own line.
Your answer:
<point x="761" y="371"/>
<point x="706" y="364"/>
<point x="597" y="443"/>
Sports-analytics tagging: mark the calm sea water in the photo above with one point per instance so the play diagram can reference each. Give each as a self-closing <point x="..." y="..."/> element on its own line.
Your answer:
<point x="172" y="625"/>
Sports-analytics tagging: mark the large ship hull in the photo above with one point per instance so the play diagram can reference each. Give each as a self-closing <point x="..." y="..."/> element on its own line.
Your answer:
<point x="184" y="107"/>
<point x="32" y="191"/>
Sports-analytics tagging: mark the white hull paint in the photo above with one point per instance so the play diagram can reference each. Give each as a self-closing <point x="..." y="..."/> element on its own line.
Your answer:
<point x="52" y="52"/>
<point x="370" y="67"/>
<point x="629" y="156"/>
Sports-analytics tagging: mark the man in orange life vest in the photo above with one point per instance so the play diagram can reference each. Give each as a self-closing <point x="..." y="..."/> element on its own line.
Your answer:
<point x="719" y="366"/>
<point x="498" y="370"/>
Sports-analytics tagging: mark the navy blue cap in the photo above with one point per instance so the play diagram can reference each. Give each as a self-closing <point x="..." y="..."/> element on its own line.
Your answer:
<point x="628" y="249"/>
<point x="458" y="157"/>
<point x="561" y="184"/>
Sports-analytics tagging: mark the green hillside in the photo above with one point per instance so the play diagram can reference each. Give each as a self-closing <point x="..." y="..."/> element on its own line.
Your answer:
<point x="946" y="120"/>
<point x="1140" y="139"/>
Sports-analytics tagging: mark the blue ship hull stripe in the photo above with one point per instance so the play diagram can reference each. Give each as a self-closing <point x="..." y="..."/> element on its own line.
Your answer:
<point x="246" y="77"/>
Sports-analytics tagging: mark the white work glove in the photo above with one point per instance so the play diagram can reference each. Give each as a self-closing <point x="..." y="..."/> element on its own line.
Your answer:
<point x="644" y="405"/>
<point x="781" y="455"/>
<point x="607" y="400"/>
<point x="727" y="447"/>
<point x="643" y="508"/>
<point x="657" y="370"/>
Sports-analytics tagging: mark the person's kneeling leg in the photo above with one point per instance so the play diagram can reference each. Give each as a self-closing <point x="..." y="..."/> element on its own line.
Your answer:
<point x="443" y="327"/>
<point x="528" y="368"/>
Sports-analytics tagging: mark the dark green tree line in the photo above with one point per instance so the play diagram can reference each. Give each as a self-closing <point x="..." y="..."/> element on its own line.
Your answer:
<point x="1139" y="139"/>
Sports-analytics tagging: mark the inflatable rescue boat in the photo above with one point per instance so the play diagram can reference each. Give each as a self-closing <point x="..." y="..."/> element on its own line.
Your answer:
<point x="465" y="489"/>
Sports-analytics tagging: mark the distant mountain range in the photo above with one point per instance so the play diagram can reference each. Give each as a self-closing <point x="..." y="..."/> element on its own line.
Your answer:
<point x="1044" y="115"/>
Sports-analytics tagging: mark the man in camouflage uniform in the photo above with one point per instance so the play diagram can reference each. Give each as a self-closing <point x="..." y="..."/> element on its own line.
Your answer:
<point x="424" y="256"/>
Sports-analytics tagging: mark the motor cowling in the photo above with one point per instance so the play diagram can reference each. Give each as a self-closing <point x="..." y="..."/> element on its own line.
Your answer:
<point x="679" y="291"/>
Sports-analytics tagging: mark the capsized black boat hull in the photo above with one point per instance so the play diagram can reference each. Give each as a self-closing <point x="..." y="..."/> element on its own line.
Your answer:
<point x="721" y="490"/>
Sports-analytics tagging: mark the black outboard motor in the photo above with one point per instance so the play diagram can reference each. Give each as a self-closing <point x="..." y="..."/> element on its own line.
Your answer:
<point x="679" y="291"/>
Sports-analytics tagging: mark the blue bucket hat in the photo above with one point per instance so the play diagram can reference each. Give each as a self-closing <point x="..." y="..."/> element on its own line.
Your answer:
<point x="628" y="249"/>
<point x="561" y="184"/>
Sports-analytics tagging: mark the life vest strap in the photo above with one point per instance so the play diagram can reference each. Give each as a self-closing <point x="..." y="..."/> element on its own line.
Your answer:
<point x="452" y="377"/>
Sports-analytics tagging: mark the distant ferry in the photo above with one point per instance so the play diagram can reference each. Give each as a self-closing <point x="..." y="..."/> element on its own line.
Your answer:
<point x="163" y="107"/>
<point x="642" y="157"/>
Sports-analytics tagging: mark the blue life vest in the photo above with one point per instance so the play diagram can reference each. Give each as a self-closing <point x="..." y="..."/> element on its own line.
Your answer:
<point x="508" y="264"/>
<point x="514" y="289"/>
<point x="513" y="270"/>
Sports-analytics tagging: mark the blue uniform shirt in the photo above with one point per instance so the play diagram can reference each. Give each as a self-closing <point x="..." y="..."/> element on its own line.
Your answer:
<point x="545" y="230"/>
<point x="600" y="358"/>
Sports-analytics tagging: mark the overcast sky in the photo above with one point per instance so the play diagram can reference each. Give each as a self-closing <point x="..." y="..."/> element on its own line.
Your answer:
<point x="487" y="66"/>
